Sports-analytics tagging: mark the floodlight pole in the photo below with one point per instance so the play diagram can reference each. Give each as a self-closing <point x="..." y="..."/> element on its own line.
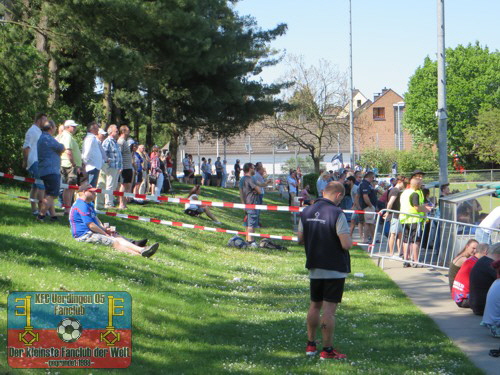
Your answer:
<point x="351" y="112"/>
<point x="442" y="113"/>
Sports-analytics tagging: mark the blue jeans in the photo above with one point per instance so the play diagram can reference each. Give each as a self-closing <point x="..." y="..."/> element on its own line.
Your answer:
<point x="93" y="176"/>
<point x="34" y="173"/>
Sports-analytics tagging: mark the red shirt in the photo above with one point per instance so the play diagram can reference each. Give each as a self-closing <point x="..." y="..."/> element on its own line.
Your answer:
<point x="460" y="289"/>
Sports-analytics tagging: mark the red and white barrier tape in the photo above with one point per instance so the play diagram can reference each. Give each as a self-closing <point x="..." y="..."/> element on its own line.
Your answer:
<point x="262" y="207"/>
<point x="19" y="197"/>
<point x="191" y="226"/>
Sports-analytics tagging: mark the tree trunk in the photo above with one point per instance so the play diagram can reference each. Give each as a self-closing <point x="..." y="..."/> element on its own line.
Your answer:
<point x="107" y="104"/>
<point x="136" y="117"/>
<point x="149" y="124"/>
<point x="47" y="50"/>
<point x="316" y="161"/>
<point x="53" y="78"/>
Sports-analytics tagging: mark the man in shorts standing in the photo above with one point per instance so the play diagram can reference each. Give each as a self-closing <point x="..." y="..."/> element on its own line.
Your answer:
<point x="127" y="173"/>
<point x="71" y="162"/>
<point x="30" y="161"/>
<point x="249" y="194"/>
<point x="86" y="227"/>
<point x="367" y="202"/>
<point x="324" y="231"/>
<point x="396" y="230"/>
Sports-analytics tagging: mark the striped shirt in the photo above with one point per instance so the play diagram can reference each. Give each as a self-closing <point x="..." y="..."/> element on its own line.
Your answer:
<point x="113" y="153"/>
<point x="126" y="153"/>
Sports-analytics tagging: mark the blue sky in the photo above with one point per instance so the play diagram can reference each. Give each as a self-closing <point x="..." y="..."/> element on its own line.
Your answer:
<point x="390" y="38"/>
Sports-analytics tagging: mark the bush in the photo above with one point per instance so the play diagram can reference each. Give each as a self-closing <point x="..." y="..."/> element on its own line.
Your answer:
<point x="422" y="158"/>
<point x="311" y="179"/>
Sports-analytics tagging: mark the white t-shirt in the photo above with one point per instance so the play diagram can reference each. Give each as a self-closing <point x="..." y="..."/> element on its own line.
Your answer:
<point x="193" y="207"/>
<point x="492" y="220"/>
<point x="31" y="142"/>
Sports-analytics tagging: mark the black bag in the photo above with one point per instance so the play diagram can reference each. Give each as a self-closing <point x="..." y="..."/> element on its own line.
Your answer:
<point x="153" y="179"/>
<point x="268" y="244"/>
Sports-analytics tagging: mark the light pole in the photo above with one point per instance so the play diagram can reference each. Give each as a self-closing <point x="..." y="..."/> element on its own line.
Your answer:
<point x="351" y="112"/>
<point x="441" y="112"/>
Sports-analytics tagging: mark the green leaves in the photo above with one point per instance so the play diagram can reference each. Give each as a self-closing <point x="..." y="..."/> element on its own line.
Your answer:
<point x="473" y="82"/>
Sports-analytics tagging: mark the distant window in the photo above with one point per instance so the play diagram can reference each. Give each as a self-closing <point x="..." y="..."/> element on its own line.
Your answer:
<point x="379" y="113"/>
<point x="358" y="103"/>
<point x="281" y="147"/>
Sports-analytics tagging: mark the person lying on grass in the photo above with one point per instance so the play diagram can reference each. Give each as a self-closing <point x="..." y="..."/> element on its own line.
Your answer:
<point x="196" y="210"/>
<point x="86" y="227"/>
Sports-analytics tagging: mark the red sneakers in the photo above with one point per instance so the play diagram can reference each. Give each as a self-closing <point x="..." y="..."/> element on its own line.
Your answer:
<point x="334" y="354"/>
<point x="311" y="349"/>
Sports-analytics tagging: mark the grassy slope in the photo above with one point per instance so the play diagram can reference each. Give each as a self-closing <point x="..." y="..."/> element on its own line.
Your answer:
<point x="190" y="317"/>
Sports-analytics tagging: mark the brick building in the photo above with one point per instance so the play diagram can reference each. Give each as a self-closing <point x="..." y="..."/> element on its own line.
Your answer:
<point x="379" y="125"/>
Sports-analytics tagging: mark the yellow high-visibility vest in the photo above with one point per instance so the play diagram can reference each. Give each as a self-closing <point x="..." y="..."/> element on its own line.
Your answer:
<point x="406" y="206"/>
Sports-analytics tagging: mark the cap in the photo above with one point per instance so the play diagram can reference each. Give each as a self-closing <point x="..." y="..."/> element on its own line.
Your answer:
<point x="415" y="172"/>
<point x="85" y="187"/>
<point x="68" y="123"/>
<point x="102" y="131"/>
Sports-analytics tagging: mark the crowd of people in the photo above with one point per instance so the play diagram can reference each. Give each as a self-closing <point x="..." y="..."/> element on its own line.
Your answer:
<point x="109" y="159"/>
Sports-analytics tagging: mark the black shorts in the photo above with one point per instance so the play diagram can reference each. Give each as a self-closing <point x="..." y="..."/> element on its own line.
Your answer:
<point x="412" y="233"/>
<point x="139" y="177"/>
<point x="127" y="175"/>
<point x="329" y="290"/>
<point x="219" y="175"/>
<point x="187" y="173"/>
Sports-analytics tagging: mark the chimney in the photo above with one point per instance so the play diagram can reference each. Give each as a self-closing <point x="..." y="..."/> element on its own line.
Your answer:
<point x="384" y="90"/>
<point x="376" y="96"/>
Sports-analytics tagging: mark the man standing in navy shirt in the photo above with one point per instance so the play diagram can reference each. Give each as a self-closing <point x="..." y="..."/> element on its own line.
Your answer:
<point x="324" y="231"/>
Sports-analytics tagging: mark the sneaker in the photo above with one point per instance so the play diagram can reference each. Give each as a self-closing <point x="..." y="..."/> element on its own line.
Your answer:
<point x="334" y="354"/>
<point x="140" y="243"/>
<point x="35" y="213"/>
<point x="217" y="222"/>
<point x="311" y="349"/>
<point x="40" y="218"/>
<point x="54" y="219"/>
<point x="406" y="264"/>
<point x="149" y="251"/>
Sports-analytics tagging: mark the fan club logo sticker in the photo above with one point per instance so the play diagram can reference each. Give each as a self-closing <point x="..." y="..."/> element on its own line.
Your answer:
<point x="69" y="329"/>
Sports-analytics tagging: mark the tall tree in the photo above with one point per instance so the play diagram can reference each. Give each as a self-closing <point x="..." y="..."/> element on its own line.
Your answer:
<point x="473" y="81"/>
<point x="312" y="116"/>
<point x="486" y="135"/>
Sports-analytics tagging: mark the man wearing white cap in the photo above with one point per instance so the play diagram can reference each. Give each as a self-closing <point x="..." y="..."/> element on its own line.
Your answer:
<point x="71" y="162"/>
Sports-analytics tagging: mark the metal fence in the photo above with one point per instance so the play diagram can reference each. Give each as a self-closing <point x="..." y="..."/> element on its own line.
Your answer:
<point x="432" y="243"/>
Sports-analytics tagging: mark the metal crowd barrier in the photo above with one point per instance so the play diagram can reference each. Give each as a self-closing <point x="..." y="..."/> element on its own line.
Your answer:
<point x="440" y="240"/>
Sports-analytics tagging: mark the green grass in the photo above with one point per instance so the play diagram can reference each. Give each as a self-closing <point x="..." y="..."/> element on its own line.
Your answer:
<point x="191" y="317"/>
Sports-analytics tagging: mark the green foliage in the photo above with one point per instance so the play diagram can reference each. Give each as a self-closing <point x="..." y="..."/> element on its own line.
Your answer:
<point x="485" y="137"/>
<point x="306" y="164"/>
<point x="423" y="158"/>
<point x="311" y="179"/>
<point x="188" y="63"/>
<point x="23" y="92"/>
<point x="473" y="82"/>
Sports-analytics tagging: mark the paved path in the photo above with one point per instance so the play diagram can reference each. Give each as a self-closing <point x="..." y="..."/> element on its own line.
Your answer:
<point x="429" y="290"/>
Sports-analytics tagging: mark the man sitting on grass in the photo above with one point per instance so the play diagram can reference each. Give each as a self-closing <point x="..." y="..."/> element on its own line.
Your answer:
<point x="86" y="227"/>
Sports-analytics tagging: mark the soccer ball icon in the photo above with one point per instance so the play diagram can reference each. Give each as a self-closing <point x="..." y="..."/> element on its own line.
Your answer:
<point x="69" y="330"/>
